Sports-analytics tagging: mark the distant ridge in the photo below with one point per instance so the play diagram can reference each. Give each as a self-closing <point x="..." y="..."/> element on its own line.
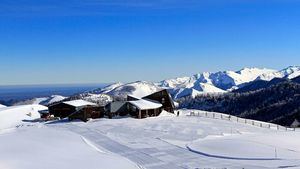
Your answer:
<point x="202" y="83"/>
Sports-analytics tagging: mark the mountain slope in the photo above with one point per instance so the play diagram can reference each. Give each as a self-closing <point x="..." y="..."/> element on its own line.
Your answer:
<point x="289" y="72"/>
<point x="208" y="82"/>
<point x="246" y="79"/>
<point x="16" y="115"/>
<point x="138" y="88"/>
<point x="2" y="106"/>
<point x="42" y="100"/>
<point x="277" y="103"/>
<point x="201" y="83"/>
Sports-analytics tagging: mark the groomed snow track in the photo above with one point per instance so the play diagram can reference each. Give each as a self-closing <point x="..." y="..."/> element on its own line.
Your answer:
<point x="161" y="156"/>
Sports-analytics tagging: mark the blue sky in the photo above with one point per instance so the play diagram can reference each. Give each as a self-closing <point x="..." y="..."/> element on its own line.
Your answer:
<point x="94" y="41"/>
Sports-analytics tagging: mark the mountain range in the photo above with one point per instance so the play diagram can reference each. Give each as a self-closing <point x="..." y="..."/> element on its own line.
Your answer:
<point x="201" y="83"/>
<point x="219" y="82"/>
<point x="276" y="101"/>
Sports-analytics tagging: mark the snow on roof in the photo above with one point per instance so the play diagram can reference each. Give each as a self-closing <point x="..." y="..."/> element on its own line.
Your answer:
<point x="142" y="95"/>
<point x="79" y="103"/>
<point x="143" y="104"/>
<point x="137" y="97"/>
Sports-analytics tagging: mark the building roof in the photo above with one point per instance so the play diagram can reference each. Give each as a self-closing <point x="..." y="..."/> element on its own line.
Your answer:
<point x="134" y="96"/>
<point x="143" y="104"/>
<point x="79" y="103"/>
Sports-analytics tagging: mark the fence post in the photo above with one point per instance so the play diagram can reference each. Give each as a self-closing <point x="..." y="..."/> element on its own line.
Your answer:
<point x="221" y="116"/>
<point x="213" y="115"/>
<point x="277" y="127"/>
<point x="246" y="121"/>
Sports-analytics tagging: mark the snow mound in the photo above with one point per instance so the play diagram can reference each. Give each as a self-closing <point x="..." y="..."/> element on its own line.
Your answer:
<point x="166" y="114"/>
<point x="15" y="115"/>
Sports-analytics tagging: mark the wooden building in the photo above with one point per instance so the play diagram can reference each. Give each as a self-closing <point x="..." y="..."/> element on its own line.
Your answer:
<point x="44" y="113"/>
<point x="88" y="112"/>
<point x="141" y="107"/>
<point x="164" y="98"/>
<point x="116" y="108"/>
<point x="144" y="108"/>
<point x="65" y="109"/>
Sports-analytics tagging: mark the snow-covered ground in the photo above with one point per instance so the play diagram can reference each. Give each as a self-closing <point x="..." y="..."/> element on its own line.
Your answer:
<point x="17" y="115"/>
<point x="42" y="147"/>
<point x="160" y="142"/>
<point x="2" y="106"/>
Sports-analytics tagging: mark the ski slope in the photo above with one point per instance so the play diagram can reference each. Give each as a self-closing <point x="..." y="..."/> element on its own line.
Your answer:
<point x="41" y="147"/>
<point x="192" y="142"/>
<point x="160" y="142"/>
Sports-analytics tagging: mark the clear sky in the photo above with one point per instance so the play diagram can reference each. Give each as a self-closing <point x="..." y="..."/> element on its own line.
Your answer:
<point x="94" y="41"/>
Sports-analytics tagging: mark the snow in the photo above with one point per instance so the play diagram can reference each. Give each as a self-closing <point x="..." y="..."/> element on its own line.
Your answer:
<point x="208" y="82"/>
<point x="201" y="83"/>
<point x="47" y="148"/>
<point x="144" y="104"/>
<point x="39" y="100"/>
<point x="16" y="115"/>
<point x="42" y="100"/>
<point x="138" y="89"/>
<point x="250" y="146"/>
<point x="289" y="72"/>
<point x="101" y="99"/>
<point x="166" y="141"/>
<point x="2" y="106"/>
<point x="182" y="92"/>
<point x="79" y="103"/>
<point x="108" y="88"/>
<point x="166" y="114"/>
<point x="208" y="88"/>
<point x="55" y="98"/>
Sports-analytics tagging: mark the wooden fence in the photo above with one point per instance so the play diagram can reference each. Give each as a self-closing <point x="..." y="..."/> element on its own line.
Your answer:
<point x="239" y="120"/>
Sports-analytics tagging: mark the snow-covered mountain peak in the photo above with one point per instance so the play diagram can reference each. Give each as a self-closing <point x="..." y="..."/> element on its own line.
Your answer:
<point x="210" y="82"/>
<point x="253" y="71"/>
<point x="206" y="82"/>
<point x="55" y="98"/>
<point x="138" y="88"/>
<point x="289" y="72"/>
